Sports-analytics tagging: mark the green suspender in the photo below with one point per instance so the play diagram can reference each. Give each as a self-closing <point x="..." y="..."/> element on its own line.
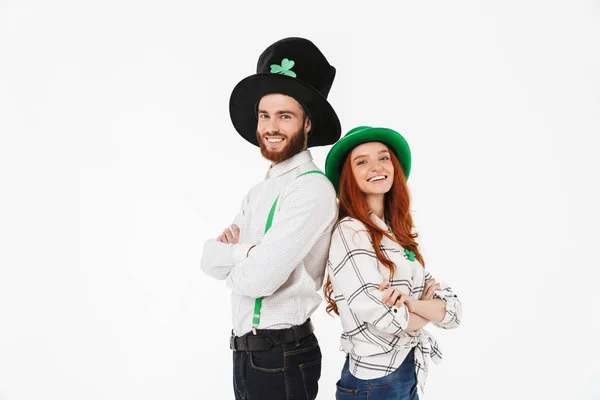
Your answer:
<point x="258" y="302"/>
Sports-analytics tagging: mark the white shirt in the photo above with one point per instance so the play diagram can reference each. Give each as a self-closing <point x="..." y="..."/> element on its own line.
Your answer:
<point x="374" y="334"/>
<point x="287" y="264"/>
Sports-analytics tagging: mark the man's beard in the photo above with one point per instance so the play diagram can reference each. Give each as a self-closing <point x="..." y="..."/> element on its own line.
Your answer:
<point x="295" y="145"/>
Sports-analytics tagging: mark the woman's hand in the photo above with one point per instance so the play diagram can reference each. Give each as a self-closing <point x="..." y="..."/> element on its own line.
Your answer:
<point x="428" y="289"/>
<point x="393" y="297"/>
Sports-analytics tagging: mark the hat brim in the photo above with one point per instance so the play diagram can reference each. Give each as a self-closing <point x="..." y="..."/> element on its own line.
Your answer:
<point x="325" y="125"/>
<point x="338" y="153"/>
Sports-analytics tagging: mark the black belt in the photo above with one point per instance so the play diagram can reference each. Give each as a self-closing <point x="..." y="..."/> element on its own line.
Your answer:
<point x="267" y="338"/>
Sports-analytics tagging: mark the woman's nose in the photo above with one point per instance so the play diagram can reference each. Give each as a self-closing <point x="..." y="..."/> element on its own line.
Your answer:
<point x="377" y="166"/>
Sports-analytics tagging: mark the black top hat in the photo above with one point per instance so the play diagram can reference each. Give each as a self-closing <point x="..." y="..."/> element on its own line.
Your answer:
<point x="297" y="68"/>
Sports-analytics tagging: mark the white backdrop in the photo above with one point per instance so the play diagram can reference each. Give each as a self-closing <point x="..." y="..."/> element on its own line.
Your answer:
<point x="118" y="160"/>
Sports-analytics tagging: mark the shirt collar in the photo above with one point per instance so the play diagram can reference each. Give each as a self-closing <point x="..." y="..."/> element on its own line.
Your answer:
<point x="379" y="222"/>
<point x="289" y="164"/>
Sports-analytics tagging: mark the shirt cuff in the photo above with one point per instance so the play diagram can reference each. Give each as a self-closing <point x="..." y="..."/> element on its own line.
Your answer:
<point x="450" y="307"/>
<point x="240" y="252"/>
<point x="400" y="316"/>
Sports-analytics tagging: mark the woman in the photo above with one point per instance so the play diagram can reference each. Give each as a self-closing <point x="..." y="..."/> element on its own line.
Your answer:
<point x="377" y="282"/>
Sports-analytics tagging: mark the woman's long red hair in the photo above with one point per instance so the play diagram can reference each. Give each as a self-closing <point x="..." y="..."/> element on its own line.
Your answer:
<point x="353" y="203"/>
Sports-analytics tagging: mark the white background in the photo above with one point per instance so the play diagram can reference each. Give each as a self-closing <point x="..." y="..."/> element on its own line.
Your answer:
<point x="118" y="160"/>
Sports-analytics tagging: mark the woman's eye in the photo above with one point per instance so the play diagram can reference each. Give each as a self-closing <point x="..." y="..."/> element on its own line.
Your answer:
<point x="384" y="158"/>
<point x="361" y="162"/>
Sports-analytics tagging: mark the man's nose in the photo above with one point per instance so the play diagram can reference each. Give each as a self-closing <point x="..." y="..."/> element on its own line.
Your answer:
<point x="273" y="126"/>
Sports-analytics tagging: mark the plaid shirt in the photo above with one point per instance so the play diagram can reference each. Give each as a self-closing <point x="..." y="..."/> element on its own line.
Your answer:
<point x="374" y="334"/>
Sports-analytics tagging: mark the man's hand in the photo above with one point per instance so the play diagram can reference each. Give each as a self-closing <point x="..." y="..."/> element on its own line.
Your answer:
<point x="393" y="297"/>
<point x="230" y="235"/>
<point x="428" y="289"/>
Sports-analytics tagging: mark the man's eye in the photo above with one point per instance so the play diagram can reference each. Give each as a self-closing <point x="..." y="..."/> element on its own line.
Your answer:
<point x="263" y="116"/>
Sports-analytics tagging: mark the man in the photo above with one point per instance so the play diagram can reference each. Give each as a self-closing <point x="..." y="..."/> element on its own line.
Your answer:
<point x="273" y="256"/>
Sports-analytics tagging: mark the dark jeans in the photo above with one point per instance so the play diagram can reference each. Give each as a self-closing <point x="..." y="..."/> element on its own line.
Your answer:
<point x="287" y="371"/>
<point x="399" y="385"/>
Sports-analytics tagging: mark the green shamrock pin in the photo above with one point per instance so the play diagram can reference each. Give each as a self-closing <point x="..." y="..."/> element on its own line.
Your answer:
<point x="410" y="255"/>
<point x="285" y="68"/>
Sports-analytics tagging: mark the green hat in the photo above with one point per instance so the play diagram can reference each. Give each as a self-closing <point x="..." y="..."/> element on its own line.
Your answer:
<point x="363" y="134"/>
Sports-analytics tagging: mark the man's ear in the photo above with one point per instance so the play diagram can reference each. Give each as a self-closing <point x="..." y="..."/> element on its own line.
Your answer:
<point x="307" y="125"/>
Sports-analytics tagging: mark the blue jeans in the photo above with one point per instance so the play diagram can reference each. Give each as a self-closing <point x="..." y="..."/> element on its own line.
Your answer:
<point x="289" y="371"/>
<point x="399" y="385"/>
